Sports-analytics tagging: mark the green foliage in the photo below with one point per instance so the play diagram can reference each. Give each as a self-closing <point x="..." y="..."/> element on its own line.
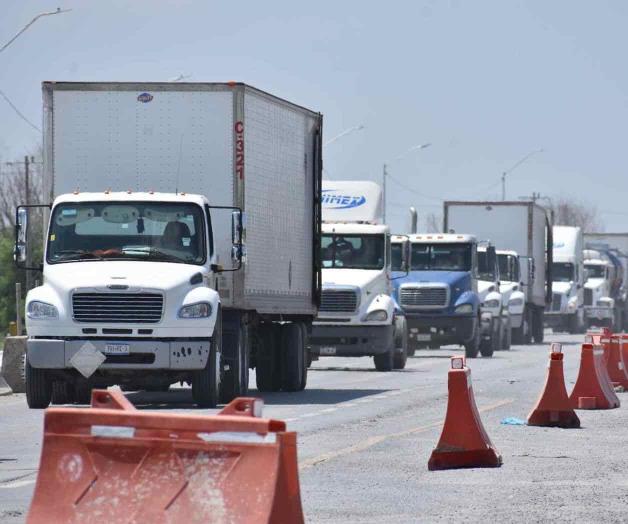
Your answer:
<point x="9" y="275"/>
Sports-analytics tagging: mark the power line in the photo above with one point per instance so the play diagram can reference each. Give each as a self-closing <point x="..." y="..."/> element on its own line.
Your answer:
<point x="408" y="188"/>
<point x="19" y="113"/>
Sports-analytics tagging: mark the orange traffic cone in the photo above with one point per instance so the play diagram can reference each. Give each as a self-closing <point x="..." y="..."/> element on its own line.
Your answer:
<point x="593" y="389"/>
<point x="553" y="407"/>
<point x="463" y="442"/>
<point x="615" y="365"/>
<point x="113" y="463"/>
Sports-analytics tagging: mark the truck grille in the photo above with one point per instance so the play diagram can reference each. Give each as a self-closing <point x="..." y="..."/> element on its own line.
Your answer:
<point x="423" y="297"/>
<point x="588" y="296"/>
<point x="338" y="301"/>
<point x="557" y="299"/>
<point x="127" y="308"/>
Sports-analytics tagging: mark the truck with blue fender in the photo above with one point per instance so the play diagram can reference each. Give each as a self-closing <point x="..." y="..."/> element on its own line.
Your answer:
<point x="439" y="294"/>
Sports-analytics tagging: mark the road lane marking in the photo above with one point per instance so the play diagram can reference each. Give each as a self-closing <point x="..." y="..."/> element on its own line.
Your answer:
<point x="17" y="484"/>
<point x="373" y="441"/>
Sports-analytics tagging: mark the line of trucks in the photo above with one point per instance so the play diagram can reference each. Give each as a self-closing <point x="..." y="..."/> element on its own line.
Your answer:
<point x="189" y="237"/>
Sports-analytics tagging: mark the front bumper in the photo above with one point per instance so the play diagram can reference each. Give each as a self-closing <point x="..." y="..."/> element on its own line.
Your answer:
<point x="598" y="312"/>
<point x="350" y="341"/>
<point x="178" y="354"/>
<point x="440" y="330"/>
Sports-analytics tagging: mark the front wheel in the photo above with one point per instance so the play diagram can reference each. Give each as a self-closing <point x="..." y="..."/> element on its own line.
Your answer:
<point x="206" y="382"/>
<point x="472" y="347"/>
<point x="62" y="392"/>
<point x="401" y="343"/>
<point x="507" y="335"/>
<point x="38" y="387"/>
<point x="235" y="380"/>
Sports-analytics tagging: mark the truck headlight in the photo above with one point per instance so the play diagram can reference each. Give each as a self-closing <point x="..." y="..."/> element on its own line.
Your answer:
<point x="464" y="309"/>
<point x="40" y="310"/>
<point x="492" y="303"/>
<point x="379" y="315"/>
<point x="515" y="302"/>
<point x="198" y="310"/>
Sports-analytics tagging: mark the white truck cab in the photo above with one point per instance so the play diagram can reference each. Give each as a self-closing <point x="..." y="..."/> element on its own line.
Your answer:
<point x="566" y="312"/>
<point x="599" y="306"/>
<point x="494" y="315"/>
<point x="357" y="315"/>
<point x="510" y="286"/>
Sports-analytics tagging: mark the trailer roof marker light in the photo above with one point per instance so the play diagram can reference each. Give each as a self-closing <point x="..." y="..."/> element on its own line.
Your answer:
<point x="76" y="191"/>
<point x="457" y="362"/>
<point x="556" y="347"/>
<point x="128" y="191"/>
<point x="107" y="191"/>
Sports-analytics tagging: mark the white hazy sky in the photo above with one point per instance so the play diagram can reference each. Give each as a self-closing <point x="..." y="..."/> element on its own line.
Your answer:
<point x="484" y="81"/>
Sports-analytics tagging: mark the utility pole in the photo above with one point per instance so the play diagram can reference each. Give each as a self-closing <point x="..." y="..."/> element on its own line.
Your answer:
<point x="384" y="176"/>
<point x="27" y="191"/>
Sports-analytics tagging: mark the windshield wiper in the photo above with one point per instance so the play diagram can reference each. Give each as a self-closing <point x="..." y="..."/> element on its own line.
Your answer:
<point x="81" y="253"/>
<point x="156" y="254"/>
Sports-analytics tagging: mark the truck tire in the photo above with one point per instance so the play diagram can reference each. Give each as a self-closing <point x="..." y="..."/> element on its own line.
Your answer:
<point x="38" y="387"/>
<point x="384" y="361"/>
<point x="401" y="343"/>
<point x="207" y="381"/>
<point x="472" y="347"/>
<point x="62" y="392"/>
<point x="522" y="335"/>
<point x="82" y="392"/>
<point x="572" y="324"/>
<point x="235" y="378"/>
<point x="294" y="361"/>
<point x="537" y="325"/>
<point x="507" y="335"/>
<point x="267" y="361"/>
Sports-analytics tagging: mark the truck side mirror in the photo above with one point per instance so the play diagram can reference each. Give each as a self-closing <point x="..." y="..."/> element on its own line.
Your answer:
<point x="21" y="235"/>
<point x="236" y="227"/>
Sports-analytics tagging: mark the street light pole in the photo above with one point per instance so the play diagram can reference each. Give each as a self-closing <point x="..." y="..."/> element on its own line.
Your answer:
<point x="344" y="133"/>
<point x="385" y="172"/>
<point x="40" y="15"/>
<point x="515" y="166"/>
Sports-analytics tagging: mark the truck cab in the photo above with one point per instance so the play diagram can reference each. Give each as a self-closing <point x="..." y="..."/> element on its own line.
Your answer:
<point x="598" y="303"/>
<point x="494" y="315"/>
<point x="511" y="287"/>
<point x="357" y="315"/>
<point x="566" y="312"/>
<point x="439" y="294"/>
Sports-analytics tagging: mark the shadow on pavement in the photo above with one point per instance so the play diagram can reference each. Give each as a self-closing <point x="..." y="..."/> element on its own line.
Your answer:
<point x="181" y="398"/>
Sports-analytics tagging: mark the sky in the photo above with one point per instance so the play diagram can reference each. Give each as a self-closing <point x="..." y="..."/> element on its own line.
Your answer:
<point x="485" y="82"/>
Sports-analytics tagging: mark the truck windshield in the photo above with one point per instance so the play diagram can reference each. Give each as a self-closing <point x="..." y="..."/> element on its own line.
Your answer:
<point x="594" y="270"/>
<point x="562" y="272"/>
<point x="485" y="272"/>
<point x="155" y="231"/>
<point x="441" y="257"/>
<point x="508" y="267"/>
<point x="353" y="251"/>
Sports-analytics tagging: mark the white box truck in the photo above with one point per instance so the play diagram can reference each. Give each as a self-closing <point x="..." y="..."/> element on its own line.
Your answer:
<point x="523" y="227"/>
<point x="182" y="243"/>
<point x="566" y="312"/>
<point x="357" y="314"/>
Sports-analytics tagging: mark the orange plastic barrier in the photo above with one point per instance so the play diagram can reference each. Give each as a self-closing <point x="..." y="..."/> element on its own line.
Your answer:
<point x="615" y="364"/>
<point x="553" y="407"/>
<point x="113" y="463"/>
<point x="593" y="382"/>
<point x="463" y="442"/>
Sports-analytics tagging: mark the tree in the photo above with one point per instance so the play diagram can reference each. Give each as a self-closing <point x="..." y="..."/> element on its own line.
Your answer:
<point x="568" y="212"/>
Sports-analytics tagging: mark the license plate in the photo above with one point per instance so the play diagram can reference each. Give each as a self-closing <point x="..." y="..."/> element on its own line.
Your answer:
<point x="328" y="350"/>
<point x="424" y="337"/>
<point x="117" y="349"/>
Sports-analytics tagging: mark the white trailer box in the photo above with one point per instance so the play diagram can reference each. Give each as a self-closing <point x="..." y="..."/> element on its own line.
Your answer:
<point x="232" y="143"/>
<point x="523" y="227"/>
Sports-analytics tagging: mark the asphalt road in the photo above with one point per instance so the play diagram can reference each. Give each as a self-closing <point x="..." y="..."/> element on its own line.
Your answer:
<point x="365" y="437"/>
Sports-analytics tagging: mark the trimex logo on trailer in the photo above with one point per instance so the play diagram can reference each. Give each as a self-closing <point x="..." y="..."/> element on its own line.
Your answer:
<point x="144" y="98"/>
<point x="333" y="200"/>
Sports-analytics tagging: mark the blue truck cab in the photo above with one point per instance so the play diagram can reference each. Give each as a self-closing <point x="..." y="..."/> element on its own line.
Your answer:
<point x="439" y="294"/>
